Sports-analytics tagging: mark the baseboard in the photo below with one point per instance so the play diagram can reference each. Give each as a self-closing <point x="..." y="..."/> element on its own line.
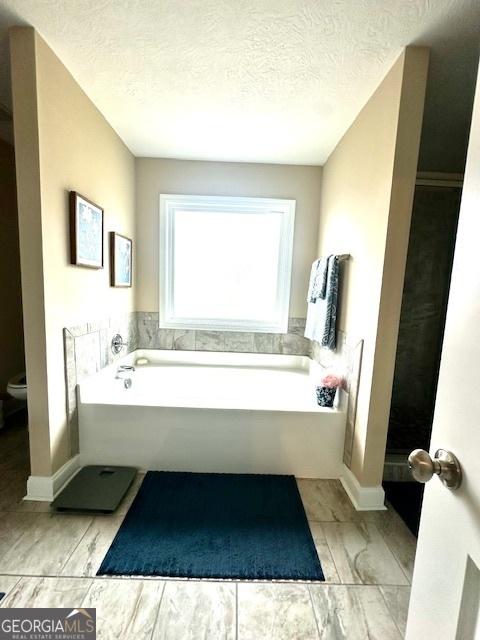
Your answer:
<point x="45" y="488"/>
<point x="362" y="498"/>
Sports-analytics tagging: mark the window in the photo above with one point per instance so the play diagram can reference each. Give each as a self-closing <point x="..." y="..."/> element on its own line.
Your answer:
<point x="225" y="263"/>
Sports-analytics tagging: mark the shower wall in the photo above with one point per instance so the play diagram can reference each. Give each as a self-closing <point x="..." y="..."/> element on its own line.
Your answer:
<point x="422" y="321"/>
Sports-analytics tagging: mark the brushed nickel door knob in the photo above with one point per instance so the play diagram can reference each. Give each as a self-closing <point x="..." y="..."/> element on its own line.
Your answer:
<point x="445" y="465"/>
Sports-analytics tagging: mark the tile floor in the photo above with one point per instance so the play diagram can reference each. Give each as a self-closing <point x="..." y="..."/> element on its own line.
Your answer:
<point x="49" y="559"/>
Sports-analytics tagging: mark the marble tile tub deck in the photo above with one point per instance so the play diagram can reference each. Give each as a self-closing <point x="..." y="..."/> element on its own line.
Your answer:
<point x="49" y="559"/>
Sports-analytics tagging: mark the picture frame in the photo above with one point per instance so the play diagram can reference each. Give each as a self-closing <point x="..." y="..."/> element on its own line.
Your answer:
<point x="86" y="232"/>
<point x="121" y="260"/>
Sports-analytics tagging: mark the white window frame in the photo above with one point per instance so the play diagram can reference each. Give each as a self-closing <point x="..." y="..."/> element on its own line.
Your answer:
<point x="168" y="204"/>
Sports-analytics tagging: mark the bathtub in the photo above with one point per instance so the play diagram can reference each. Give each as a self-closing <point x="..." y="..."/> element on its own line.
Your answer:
<point x="211" y="412"/>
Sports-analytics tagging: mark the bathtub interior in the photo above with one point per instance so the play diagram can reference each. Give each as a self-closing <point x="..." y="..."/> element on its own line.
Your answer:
<point x="210" y="380"/>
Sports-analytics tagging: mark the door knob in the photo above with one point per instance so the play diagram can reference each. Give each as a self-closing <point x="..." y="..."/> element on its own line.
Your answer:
<point x="445" y="465"/>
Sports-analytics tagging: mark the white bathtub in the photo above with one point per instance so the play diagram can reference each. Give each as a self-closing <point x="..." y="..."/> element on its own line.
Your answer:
<point x="218" y="412"/>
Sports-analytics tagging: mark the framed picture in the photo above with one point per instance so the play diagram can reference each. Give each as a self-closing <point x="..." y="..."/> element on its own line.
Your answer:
<point x="86" y="232"/>
<point x="120" y="260"/>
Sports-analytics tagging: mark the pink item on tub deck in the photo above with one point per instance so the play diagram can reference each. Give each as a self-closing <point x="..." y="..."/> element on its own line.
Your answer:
<point x="332" y="381"/>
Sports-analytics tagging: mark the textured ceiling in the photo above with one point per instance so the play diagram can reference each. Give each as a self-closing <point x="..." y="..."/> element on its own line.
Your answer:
<point x="245" y="80"/>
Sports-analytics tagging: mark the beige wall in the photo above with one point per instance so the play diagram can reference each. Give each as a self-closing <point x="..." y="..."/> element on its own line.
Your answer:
<point x="24" y="93"/>
<point x="156" y="176"/>
<point x="63" y="143"/>
<point x="11" y="323"/>
<point x="367" y="193"/>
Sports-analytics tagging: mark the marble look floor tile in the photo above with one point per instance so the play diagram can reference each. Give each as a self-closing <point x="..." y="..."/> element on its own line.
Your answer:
<point x="361" y="554"/>
<point x="31" y="506"/>
<point x="324" y="554"/>
<point x="92" y="548"/>
<point x="275" y="611"/>
<point x="47" y="592"/>
<point x="12" y="527"/>
<point x="125" y="608"/>
<point x="398" y="537"/>
<point x="7" y="583"/>
<point x="45" y="545"/>
<point x="352" y="613"/>
<point x="397" y="599"/>
<point x="11" y="493"/>
<point x="325" y="500"/>
<point x="191" y="610"/>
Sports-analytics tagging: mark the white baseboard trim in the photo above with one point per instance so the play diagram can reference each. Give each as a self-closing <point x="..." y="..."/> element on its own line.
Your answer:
<point x="46" y="488"/>
<point x="362" y="498"/>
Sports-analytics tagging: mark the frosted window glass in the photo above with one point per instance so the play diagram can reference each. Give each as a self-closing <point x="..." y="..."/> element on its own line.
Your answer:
<point x="226" y="264"/>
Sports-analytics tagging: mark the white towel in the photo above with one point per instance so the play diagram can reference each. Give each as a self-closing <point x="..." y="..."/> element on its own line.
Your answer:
<point x="316" y="317"/>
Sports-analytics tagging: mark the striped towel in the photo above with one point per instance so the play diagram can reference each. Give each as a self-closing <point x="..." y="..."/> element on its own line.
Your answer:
<point x="322" y="314"/>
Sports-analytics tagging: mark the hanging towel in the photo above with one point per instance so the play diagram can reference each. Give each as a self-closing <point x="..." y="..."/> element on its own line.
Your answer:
<point x="317" y="287"/>
<point x="322" y="314"/>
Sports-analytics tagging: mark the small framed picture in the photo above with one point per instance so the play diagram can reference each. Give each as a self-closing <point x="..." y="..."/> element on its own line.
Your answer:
<point x="86" y="232"/>
<point x="120" y="260"/>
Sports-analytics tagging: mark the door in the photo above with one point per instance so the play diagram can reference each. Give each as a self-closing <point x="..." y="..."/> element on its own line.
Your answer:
<point x="446" y="583"/>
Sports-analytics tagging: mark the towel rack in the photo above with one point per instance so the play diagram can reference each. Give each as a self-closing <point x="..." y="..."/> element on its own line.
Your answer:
<point x="343" y="256"/>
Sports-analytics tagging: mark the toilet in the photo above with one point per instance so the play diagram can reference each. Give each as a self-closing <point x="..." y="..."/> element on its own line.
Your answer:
<point x="17" y="386"/>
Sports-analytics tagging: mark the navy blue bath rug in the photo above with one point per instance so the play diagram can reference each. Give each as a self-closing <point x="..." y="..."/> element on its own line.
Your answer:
<point x="210" y="525"/>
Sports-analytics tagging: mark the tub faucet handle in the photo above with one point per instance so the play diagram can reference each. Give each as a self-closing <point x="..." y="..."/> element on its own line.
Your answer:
<point x="118" y="343"/>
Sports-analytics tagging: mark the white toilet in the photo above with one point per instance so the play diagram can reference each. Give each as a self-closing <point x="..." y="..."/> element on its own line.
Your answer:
<point x="17" y="387"/>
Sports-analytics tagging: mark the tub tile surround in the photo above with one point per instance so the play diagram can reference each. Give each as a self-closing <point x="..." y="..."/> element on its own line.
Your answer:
<point x="151" y="336"/>
<point x="87" y="350"/>
<point x="347" y="360"/>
